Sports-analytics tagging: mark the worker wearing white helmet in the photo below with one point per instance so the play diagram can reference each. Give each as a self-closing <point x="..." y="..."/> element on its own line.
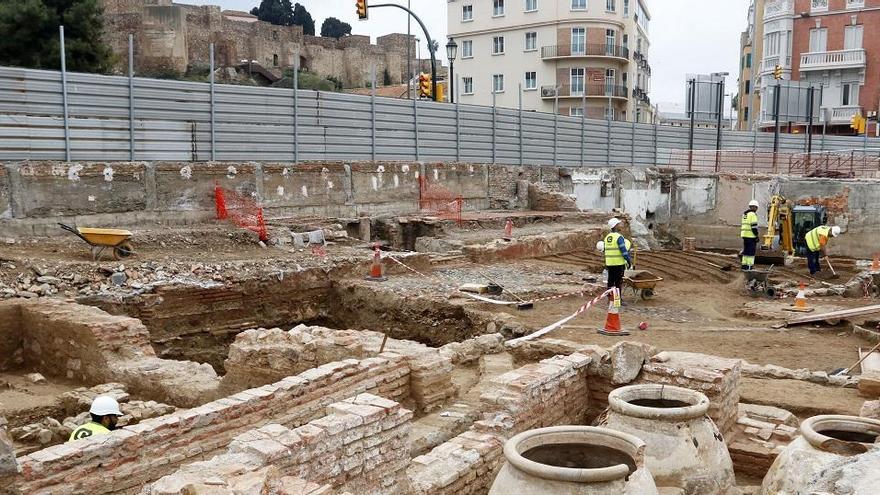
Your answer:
<point x="817" y="240"/>
<point x="105" y="413"/>
<point x="617" y="254"/>
<point x="749" y="234"/>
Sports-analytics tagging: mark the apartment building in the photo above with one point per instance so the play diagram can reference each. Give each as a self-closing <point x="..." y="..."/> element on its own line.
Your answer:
<point x="573" y="54"/>
<point x="823" y="43"/>
<point x="751" y="52"/>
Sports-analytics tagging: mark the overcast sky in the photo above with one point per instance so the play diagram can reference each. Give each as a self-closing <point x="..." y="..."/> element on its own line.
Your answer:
<point x="687" y="36"/>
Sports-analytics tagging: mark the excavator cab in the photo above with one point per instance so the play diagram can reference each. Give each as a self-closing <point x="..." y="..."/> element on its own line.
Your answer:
<point x="806" y="218"/>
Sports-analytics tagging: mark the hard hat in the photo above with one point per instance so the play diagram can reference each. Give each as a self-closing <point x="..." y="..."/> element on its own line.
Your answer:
<point x="600" y="246"/>
<point x="614" y="222"/>
<point x="754" y="203"/>
<point x="835" y="231"/>
<point x="104" y="405"/>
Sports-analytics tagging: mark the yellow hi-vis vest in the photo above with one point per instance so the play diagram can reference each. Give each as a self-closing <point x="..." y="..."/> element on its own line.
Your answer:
<point x="87" y="430"/>
<point x="814" y="235"/>
<point x="749" y="219"/>
<point x="613" y="256"/>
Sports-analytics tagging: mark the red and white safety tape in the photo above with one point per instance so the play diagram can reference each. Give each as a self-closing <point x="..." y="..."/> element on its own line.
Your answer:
<point x="581" y="310"/>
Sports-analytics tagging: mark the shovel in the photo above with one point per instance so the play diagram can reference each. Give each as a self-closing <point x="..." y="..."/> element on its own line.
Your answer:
<point x="834" y="274"/>
<point x="849" y="370"/>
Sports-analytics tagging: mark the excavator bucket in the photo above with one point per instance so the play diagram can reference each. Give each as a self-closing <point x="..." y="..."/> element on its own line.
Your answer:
<point x="770" y="257"/>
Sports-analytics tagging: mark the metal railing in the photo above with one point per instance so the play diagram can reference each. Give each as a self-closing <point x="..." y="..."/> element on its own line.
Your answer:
<point x="839" y="164"/>
<point x="589" y="90"/>
<point x="585" y="50"/>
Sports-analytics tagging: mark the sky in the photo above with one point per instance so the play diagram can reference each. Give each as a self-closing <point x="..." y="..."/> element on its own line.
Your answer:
<point x="687" y="36"/>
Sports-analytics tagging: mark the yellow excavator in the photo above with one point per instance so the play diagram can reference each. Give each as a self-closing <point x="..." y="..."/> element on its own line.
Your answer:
<point x="790" y="223"/>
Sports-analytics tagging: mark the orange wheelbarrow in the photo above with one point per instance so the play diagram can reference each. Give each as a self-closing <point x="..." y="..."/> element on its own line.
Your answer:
<point x="102" y="239"/>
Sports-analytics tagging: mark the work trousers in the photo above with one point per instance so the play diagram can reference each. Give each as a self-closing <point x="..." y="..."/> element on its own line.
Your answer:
<point x="813" y="261"/>
<point x="615" y="276"/>
<point x="750" y="248"/>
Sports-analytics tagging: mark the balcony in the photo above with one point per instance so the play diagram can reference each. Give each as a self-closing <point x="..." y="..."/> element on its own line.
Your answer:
<point x="838" y="115"/>
<point x="593" y="90"/>
<point x="844" y="115"/>
<point x="589" y="50"/>
<point x="778" y="8"/>
<point x="839" y="59"/>
<point x="641" y="95"/>
<point x="770" y="63"/>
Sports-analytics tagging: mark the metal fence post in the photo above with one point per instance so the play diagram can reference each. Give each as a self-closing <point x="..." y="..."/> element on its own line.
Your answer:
<point x="656" y="151"/>
<point x="556" y="129"/>
<point x="373" y="112"/>
<point x="458" y="120"/>
<point x="296" y="110"/>
<point x="754" y="146"/>
<point x="131" y="97"/>
<point x="494" y="109"/>
<point x="213" y="110"/>
<point x="521" y="141"/>
<point x="416" y="121"/>
<point x="632" y="145"/>
<point x="608" y="142"/>
<point x="583" y="128"/>
<point x="64" y="96"/>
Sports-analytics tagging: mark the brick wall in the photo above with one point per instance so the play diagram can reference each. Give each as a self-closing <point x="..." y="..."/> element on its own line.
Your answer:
<point x="136" y="455"/>
<point x="359" y="446"/>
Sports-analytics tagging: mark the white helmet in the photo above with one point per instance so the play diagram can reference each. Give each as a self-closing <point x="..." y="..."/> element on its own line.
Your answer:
<point x="614" y="222"/>
<point x="754" y="203"/>
<point x="104" y="405"/>
<point x="600" y="246"/>
<point x="835" y="231"/>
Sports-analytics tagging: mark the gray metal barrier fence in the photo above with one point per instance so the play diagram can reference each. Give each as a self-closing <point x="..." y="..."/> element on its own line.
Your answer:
<point x="115" y="118"/>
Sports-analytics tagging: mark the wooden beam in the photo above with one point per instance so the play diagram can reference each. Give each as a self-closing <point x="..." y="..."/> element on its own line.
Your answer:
<point x="834" y="315"/>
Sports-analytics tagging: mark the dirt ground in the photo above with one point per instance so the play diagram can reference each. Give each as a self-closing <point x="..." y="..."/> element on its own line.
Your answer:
<point x="22" y="401"/>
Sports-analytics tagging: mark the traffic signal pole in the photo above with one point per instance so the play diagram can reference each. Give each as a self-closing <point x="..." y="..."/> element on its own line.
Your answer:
<point x="427" y="37"/>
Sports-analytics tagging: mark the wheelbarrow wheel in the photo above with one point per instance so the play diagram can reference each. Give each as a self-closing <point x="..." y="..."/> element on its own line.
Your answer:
<point x="647" y="294"/>
<point x="123" y="251"/>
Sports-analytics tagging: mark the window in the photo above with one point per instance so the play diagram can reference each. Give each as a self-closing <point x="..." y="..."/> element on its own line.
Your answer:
<point x="467" y="49"/>
<point x="576" y="111"/>
<point x="531" y="41"/>
<point x="850" y="94"/>
<point x="467" y="13"/>
<point x="531" y="5"/>
<point x="610" y="38"/>
<point x="819" y="40"/>
<point x="531" y="80"/>
<point x="498" y="83"/>
<point x="746" y="114"/>
<point x="576" y="82"/>
<point x="467" y="85"/>
<point x="611" y="5"/>
<point x="609" y="82"/>
<point x="578" y="4"/>
<point x="275" y="60"/>
<point x="625" y="7"/>
<point x="819" y="5"/>
<point x="748" y="59"/>
<point x="771" y="44"/>
<point x="626" y="41"/>
<point x="497" y="8"/>
<point x="854" y="4"/>
<point x="498" y="45"/>
<point x="609" y="113"/>
<point x="578" y="40"/>
<point x="852" y="37"/>
<point x="748" y="87"/>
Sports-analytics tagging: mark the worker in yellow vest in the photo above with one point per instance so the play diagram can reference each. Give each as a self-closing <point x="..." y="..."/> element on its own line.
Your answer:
<point x="617" y="254"/>
<point x="105" y="414"/>
<point x="817" y="240"/>
<point x="749" y="234"/>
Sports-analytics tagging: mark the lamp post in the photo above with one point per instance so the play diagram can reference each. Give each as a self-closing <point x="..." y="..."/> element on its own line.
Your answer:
<point x="451" y="52"/>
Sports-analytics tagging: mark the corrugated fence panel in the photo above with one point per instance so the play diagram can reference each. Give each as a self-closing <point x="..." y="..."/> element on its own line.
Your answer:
<point x="172" y="121"/>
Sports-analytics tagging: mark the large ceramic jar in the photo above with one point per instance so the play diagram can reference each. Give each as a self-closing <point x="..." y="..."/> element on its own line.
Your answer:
<point x="573" y="460"/>
<point x="834" y="454"/>
<point x="684" y="448"/>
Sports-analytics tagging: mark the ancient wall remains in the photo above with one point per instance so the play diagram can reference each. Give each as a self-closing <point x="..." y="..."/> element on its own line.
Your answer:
<point x="359" y="446"/>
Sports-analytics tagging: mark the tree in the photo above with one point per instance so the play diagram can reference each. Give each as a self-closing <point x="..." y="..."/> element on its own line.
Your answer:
<point x="30" y="35"/>
<point x="272" y="11"/>
<point x="334" y="28"/>
<point x="301" y="17"/>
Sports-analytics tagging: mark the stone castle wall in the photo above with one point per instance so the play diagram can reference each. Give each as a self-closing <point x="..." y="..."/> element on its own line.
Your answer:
<point x="171" y="37"/>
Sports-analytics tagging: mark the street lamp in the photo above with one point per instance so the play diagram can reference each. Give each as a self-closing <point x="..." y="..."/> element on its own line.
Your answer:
<point x="451" y="52"/>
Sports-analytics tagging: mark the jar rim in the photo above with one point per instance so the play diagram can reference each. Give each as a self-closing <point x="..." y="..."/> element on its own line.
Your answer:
<point x="620" y="401"/>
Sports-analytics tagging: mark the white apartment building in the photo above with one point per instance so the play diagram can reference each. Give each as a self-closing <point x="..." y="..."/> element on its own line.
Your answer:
<point x="570" y="53"/>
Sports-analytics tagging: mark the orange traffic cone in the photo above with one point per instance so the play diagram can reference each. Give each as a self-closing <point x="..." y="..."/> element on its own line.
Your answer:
<point x="508" y="230"/>
<point x="800" y="301"/>
<point x="875" y="266"/>
<point x="612" y="319"/>
<point x="376" y="270"/>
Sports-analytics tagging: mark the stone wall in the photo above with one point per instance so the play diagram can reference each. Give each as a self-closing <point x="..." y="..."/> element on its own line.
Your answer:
<point x="359" y="446"/>
<point x="135" y="455"/>
<point x="171" y="37"/>
<point x="88" y="345"/>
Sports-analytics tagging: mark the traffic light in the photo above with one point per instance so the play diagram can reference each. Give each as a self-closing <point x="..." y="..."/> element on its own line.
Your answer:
<point x="424" y="85"/>
<point x="858" y="123"/>
<point x="777" y="72"/>
<point x="361" y="6"/>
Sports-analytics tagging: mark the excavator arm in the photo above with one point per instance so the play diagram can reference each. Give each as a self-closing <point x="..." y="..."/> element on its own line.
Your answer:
<point x="779" y="222"/>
